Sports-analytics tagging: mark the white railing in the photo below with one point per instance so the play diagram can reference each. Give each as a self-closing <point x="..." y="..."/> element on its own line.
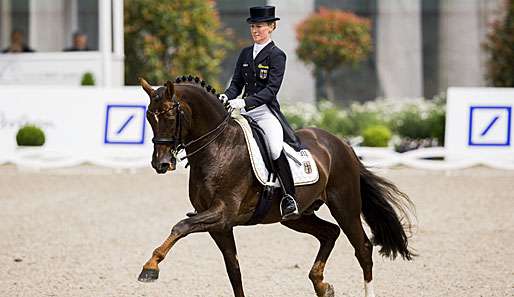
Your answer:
<point x="41" y="158"/>
<point x="385" y="158"/>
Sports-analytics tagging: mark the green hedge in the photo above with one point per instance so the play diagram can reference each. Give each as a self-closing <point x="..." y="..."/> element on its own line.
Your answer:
<point x="376" y="136"/>
<point x="30" y="135"/>
<point x="88" y="79"/>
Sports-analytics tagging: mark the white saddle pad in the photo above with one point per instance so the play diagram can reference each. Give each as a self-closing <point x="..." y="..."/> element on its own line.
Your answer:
<point x="303" y="167"/>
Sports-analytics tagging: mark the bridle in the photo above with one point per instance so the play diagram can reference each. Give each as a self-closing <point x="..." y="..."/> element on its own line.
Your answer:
<point x="176" y="141"/>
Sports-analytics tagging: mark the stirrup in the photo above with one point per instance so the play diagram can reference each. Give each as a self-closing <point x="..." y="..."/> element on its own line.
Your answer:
<point x="290" y="216"/>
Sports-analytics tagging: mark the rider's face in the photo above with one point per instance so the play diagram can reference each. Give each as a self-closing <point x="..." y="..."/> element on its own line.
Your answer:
<point x="261" y="32"/>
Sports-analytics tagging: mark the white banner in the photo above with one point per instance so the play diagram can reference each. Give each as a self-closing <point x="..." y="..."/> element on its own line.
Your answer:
<point x="81" y="124"/>
<point x="108" y="127"/>
<point x="479" y="123"/>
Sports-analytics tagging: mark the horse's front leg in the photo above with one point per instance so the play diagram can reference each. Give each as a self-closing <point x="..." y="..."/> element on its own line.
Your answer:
<point x="209" y="220"/>
<point x="227" y="245"/>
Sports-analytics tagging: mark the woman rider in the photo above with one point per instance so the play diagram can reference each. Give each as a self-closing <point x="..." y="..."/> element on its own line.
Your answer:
<point x="260" y="70"/>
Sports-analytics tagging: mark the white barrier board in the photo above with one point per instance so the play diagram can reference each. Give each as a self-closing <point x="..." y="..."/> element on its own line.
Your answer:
<point x="479" y="123"/>
<point x="85" y="124"/>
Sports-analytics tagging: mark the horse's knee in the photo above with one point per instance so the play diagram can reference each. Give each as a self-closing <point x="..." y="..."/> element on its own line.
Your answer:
<point x="330" y="235"/>
<point x="334" y="232"/>
<point x="180" y="229"/>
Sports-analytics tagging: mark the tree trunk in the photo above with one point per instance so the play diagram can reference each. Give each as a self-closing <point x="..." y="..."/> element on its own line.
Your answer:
<point x="329" y="86"/>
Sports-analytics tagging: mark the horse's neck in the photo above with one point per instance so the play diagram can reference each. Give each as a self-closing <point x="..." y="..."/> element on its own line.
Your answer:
<point x="205" y="112"/>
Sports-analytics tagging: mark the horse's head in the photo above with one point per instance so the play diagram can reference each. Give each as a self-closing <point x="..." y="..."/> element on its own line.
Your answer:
<point x="165" y="115"/>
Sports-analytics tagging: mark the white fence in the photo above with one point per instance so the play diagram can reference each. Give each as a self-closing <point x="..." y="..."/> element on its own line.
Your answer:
<point x="107" y="127"/>
<point x="43" y="158"/>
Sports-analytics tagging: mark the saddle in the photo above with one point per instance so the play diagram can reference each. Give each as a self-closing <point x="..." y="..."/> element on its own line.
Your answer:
<point x="303" y="166"/>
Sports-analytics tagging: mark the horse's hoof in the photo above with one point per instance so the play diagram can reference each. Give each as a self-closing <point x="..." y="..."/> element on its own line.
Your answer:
<point x="148" y="275"/>
<point x="329" y="292"/>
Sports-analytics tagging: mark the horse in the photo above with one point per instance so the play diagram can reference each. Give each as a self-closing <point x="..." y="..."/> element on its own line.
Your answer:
<point x="224" y="192"/>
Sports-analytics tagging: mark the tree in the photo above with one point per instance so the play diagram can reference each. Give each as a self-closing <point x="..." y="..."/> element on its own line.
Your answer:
<point x="500" y="47"/>
<point x="329" y="39"/>
<point x="165" y="39"/>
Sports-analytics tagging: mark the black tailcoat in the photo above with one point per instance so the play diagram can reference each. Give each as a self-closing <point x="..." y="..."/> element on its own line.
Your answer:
<point x="261" y="80"/>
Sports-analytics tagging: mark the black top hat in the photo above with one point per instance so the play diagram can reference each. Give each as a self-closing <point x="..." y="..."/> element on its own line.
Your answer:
<point x="262" y="14"/>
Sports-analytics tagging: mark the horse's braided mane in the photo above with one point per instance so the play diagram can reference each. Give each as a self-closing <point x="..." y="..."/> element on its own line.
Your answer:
<point x="196" y="81"/>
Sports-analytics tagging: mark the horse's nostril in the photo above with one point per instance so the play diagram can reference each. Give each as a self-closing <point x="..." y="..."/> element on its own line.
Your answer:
<point x="164" y="166"/>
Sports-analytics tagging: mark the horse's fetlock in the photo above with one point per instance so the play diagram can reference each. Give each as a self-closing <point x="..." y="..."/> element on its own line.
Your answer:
<point x="316" y="276"/>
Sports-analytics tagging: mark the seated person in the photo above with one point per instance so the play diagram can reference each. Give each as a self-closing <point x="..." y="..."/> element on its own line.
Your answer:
<point x="17" y="45"/>
<point x="79" y="43"/>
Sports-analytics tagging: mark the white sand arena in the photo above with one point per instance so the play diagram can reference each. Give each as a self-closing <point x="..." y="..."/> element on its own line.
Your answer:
<point x="87" y="231"/>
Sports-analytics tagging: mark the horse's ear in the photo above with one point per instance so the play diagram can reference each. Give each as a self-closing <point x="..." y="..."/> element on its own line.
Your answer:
<point x="169" y="89"/>
<point x="146" y="86"/>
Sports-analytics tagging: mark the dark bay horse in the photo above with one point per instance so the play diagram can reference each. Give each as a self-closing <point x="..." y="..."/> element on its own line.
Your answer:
<point x="224" y="192"/>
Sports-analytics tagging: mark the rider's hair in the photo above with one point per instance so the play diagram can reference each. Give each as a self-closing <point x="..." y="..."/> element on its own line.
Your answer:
<point x="273" y="25"/>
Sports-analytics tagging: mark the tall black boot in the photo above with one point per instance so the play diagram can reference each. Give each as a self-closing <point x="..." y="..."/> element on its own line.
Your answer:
<point x="288" y="206"/>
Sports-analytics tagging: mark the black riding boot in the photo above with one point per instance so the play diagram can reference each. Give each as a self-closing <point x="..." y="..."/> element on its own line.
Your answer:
<point x="288" y="206"/>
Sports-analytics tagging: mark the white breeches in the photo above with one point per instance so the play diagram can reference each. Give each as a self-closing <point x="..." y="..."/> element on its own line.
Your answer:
<point x="271" y="126"/>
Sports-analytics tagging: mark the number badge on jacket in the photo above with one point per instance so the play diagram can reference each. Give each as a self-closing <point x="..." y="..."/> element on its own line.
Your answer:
<point x="263" y="71"/>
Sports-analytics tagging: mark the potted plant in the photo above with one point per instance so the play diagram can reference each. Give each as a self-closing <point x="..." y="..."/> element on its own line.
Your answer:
<point x="88" y="79"/>
<point x="30" y="136"/>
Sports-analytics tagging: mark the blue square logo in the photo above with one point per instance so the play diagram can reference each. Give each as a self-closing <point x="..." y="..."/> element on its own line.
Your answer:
<point x="125" y="124"/>
<point x="490" y="125"/>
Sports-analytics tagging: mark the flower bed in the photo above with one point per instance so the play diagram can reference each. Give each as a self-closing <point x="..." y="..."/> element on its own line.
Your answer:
<point x="414" y="123"/>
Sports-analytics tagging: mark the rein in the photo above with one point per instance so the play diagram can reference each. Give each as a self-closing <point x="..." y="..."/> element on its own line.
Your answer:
<point x="177" y="143"/>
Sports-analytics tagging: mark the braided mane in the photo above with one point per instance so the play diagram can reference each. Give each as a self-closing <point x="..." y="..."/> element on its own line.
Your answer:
<point x="196" y="80"/>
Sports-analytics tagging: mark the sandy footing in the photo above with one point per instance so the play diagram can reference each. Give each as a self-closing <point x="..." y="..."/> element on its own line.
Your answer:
<point x="87" y="231"/>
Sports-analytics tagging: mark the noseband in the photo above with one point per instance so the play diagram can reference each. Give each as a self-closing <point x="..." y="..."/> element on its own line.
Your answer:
<point x="176" y="142"/>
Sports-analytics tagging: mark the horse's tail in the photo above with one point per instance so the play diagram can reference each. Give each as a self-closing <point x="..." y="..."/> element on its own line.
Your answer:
<point x="387" y="211"/>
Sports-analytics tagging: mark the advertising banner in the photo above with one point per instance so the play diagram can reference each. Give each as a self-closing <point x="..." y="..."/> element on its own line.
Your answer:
<point x="479" y="123"/>
<point x="84" y="124"/>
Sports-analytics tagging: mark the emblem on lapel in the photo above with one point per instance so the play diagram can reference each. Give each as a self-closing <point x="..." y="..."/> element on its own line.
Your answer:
<point x="307" y="167"/>
<point x="263" y="71"/>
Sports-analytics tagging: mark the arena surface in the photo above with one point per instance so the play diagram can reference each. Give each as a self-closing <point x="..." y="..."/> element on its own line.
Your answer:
<point x="87" y="231"/>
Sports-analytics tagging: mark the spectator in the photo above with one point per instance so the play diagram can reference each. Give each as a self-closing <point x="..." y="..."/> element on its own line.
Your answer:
<point x="17" y="45"/>
<point x="79" y="43"/>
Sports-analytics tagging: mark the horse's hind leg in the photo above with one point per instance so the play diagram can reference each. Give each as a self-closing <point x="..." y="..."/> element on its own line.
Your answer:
<point x="327" y="234"/>
<point x="345" y="207"/>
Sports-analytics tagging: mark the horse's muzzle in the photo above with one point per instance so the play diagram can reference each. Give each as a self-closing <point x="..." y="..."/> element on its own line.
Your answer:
<point x="164" y="167"/>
